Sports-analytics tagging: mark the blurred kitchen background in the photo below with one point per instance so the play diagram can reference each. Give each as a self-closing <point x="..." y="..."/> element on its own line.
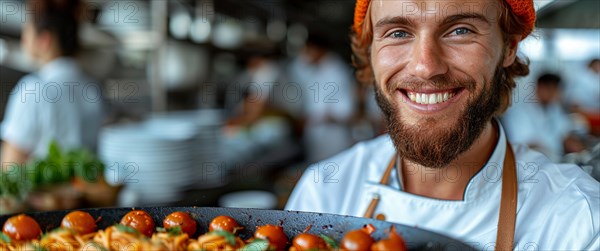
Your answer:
<point x="226" y="103"/>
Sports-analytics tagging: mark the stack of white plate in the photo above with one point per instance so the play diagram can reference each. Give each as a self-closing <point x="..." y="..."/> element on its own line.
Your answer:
<point x="209" y="169"/>
<point x="164" y="155"/>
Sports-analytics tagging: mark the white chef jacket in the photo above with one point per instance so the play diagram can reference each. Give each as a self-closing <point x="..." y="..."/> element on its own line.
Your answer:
<point x="558" y="205"/>
<point x="60" y="103"/>
<point x="583" y="89"/>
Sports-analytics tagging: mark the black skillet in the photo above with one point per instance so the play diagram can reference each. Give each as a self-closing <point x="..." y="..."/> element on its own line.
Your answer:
<point x="293" y="223"/>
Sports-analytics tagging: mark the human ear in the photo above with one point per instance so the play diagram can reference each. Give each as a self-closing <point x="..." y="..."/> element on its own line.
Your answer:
<point x="510" y="53"/>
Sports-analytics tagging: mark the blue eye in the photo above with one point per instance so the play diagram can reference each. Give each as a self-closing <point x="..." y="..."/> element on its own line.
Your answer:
<point x="460" y="31"/>
<point x="398" y="34"/>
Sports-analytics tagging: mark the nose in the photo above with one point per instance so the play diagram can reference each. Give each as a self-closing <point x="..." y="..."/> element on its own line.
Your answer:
<point x="427" y="59"/>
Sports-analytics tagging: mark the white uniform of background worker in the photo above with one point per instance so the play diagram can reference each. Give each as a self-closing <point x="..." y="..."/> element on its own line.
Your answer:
<point x="58" y="102"/>
<point x="450" y="151"/>
<point x="544" y="125"/>
<point x="327" y="98"/>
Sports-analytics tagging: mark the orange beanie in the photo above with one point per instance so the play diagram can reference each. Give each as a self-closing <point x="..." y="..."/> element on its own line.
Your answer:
<point x="523" y="9"/>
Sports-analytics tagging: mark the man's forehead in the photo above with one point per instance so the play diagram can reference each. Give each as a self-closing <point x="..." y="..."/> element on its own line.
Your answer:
<point x="423" y="10"/>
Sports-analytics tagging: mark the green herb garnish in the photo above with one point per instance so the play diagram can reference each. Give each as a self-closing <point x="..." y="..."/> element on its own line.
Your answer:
<point x="330" y="242"/>
<point x="256" y="245"/>
<point x="13" y="182"/>
<point x="4" y="238"/>
<point x="126" y="229"/>
<point x="174" y="231"/>
<point x="98" y="246"/>
<point x="59" y="167"/>
<point x="229" y="237"/>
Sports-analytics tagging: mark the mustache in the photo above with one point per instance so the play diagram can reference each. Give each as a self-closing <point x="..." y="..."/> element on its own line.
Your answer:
<point x="440" y="81"/>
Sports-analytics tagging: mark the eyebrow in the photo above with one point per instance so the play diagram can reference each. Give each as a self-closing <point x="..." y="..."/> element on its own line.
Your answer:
<point x="462" y="16"/>
<point x="399" y="20"/>
<point x="394" y="21"/>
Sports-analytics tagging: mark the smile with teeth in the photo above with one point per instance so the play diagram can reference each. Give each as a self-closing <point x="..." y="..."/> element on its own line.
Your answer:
<point x="430" y="98"/>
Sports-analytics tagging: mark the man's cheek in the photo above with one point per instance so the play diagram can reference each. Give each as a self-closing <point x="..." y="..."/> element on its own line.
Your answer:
<point x="382" y="80"/>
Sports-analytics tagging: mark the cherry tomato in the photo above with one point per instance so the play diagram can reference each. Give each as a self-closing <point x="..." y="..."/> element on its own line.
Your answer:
<point x="81" y="222"/>
<point x="224" y="223"/>
<point x="358" y="240"/>
<point x="22" y="228"/>
<point x="140" y="221"/>
<point x="184" y="220"/>
<point x="306" y="241"/>
<point x="394" y="242"/>
<point x="274" y="234"/>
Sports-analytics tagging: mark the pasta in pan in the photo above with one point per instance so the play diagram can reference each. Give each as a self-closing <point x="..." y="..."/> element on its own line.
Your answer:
<point x="120" y="237"/>
<point x="64" y="239"/>
<point x="214" y="241"/>
<point x="172" y="242"/>
<point x="137" y="231"/>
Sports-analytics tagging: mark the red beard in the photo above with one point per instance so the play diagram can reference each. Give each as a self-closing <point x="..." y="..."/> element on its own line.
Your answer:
<point x="437" y="149"/>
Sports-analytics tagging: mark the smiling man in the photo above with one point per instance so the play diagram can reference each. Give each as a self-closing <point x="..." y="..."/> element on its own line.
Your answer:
<point x="442" y="71"/>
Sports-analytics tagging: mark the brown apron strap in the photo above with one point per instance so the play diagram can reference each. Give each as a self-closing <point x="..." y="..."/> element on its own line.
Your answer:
<point x="384" y="180"/>
<point x="508" y="203"/>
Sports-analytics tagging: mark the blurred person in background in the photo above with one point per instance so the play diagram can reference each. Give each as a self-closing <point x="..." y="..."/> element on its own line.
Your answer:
<point x="544" y="125"/>
<point x="251" y="94"/>
<point x="257" y="123"/>
<point x="58" y="102"/>
<point x="328" y="90"/>
<point x="583" y="96"/>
